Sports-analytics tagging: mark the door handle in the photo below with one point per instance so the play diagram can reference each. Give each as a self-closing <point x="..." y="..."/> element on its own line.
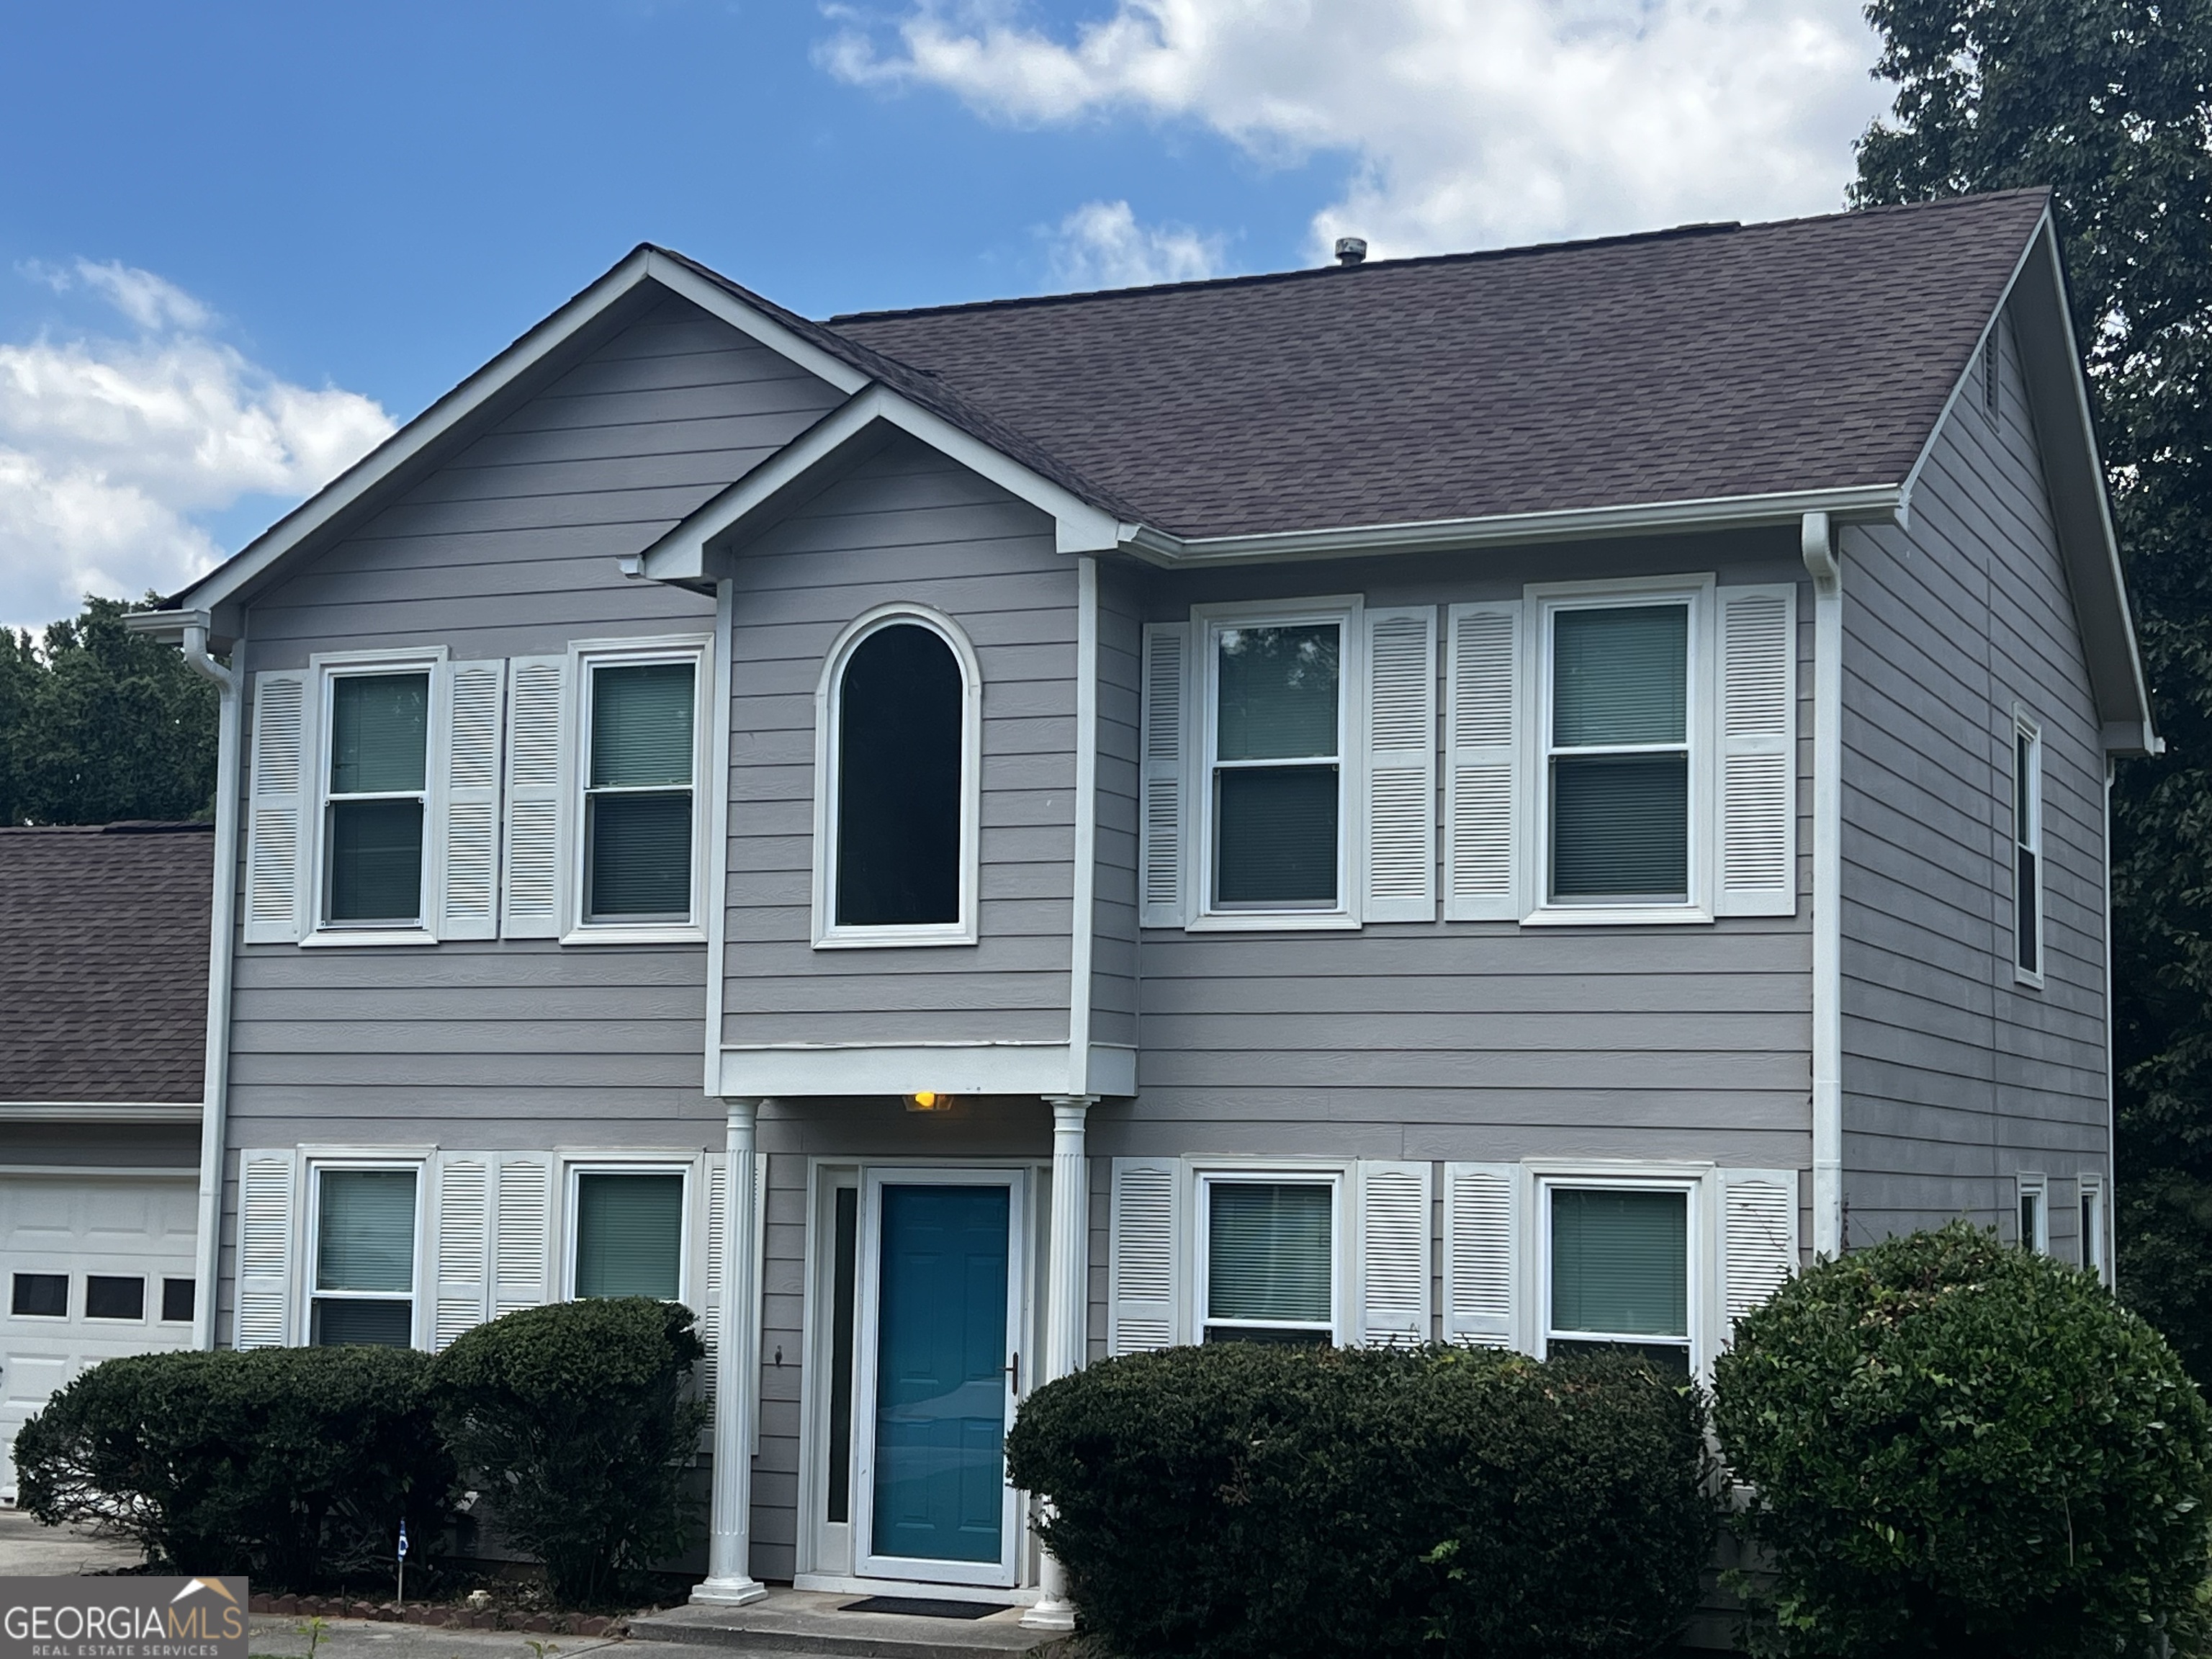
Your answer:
<point x="1014" y="1374"/>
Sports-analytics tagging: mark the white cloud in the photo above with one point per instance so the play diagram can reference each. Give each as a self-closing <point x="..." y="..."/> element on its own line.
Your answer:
<point x="1470" y="123"/>
<point x="109" y="447"/>
<point x="1101" y="245"/>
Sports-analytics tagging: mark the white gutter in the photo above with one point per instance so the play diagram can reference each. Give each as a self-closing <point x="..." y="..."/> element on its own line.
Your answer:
<point x="1086" y="826"/>
<point x="1816" y="541"/>
<point x="2105" y="1252"/>
<point x="215" y="1083"/>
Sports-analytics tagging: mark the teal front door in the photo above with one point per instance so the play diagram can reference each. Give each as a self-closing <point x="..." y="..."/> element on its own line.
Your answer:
<point x="940" y="1507"/>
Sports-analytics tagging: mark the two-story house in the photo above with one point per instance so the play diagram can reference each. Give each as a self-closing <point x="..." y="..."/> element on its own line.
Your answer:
<point x="1503" y="797"/>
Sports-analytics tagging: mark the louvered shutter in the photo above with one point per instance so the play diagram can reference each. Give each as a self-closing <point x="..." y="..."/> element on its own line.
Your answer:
<point x="1758" y="766"/>
<point x="1145" y="1255"/>
<point x="710" y="1314"/>
<point x="1759" y="1237"/>
<point x="1401" y="765"/>
<point x="268" y="1186"/>
<point x="276" y="827"/>
<point x="1393" y="1253"/>
<point x="1163" y="743"/>
<point x="522" y="1247"/>
<point x="532" y="888"/>
<point x="1480" y="1231"/>
<point x="1484" y="742"/>
<point x="463" y="1235"/>
<point x="475" y="701"/>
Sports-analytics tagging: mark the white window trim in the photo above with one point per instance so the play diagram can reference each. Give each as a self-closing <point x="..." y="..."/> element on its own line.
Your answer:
<point x="1203" y="1174"/>
<point x="2025" y="726"/>
<point x="324" y="669"/>
<point x="624" y="1162"/>
<point x="1699" y="1266"/>
<point x="584" y="656"/>
<point x="315" y="1164"/>
<point x="829" y="935"/>
<point x="2026" y="1184"/>
<point x="1545" y="599"/>
<point x="2091" y="1246"/>
<point x="1346" y="611"/>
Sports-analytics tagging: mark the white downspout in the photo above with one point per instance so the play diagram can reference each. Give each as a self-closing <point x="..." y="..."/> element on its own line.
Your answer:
<point x="1817" y="544"/>
<point x="215" y="1092"/>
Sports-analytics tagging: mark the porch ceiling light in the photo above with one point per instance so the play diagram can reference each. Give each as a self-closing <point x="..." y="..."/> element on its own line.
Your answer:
<point x="928" y="1100"/>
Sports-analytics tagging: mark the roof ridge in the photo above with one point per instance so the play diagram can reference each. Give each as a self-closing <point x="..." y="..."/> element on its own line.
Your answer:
<point x="1310" y="273"/>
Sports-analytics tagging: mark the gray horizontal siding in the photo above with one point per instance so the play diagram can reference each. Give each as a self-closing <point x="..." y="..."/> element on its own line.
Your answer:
<point x="908" y="526"/>
<point x="1956" y="1078"/>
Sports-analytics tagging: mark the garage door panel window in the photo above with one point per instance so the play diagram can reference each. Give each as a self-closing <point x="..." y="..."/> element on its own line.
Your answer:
<point x="115" y="1295"/>
<point x="39" y="1296"/>
<point x="177" y="1297"/>
<point x="364" y="1258"/>
<point x="1619" y="1262"/>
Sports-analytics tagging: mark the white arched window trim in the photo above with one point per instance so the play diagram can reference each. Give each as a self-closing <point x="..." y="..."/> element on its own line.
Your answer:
<point x="828" y="936"/>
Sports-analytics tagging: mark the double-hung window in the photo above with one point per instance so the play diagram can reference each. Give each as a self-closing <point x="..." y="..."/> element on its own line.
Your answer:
<point x="2033" y="1196"/>
<point x="1617" y="758"/>
<point x="1619" y="1271"/>
<point x="2092" y="1195"/>
<point x="1268" y="1273"/>
<point x="1275" y="800"/>
<point x="375" y="799"/>
<point x="628" y="1233"/>
<point x="2027" y="850"/>
<point x="638" y="792"/>
<point x="364" y="1261"/>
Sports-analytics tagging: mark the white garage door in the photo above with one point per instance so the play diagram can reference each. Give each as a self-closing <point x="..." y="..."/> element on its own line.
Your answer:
<point x="89" y="1261"/>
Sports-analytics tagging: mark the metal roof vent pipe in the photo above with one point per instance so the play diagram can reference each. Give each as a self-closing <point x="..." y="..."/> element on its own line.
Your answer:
<point x="1351" y="249"/>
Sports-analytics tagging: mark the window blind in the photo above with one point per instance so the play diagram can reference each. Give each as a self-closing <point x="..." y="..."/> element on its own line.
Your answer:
<point x="1269" y="1248"/>
<point x="379" y="724"/>
<point x="1277" y="691"/>
<point x="375" y="861"/>
<point x="629" y="1234"/>
<point x="380" y="728"/>
<point x="638" y="813"/>
<point x="641" y="856"/>
<point x="1620" y="824"/>
<point x="1620" y="675"/>
<point x="1275" y="836"/>
<point x="641" y="725"/>
<point x="1620" y="1262"/>
<point x="365" y="1234"/>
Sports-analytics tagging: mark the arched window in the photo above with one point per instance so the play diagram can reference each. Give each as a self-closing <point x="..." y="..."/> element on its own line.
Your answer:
<point x="900" y="724"/>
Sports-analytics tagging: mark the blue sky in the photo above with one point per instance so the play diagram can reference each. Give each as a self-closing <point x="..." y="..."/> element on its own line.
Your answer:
<point x="239" y="240"/>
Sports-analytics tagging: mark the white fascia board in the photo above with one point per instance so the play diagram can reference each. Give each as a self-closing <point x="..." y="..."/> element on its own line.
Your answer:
<point x="645" y="265"/>
<point x="685" y="553"/>
<point x="1865" y="502"/>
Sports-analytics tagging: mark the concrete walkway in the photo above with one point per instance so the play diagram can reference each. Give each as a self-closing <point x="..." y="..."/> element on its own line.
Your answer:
<point x="28" y="1550"/>
<point x="809" y="1621"/>
<point x="278" y="1636"/>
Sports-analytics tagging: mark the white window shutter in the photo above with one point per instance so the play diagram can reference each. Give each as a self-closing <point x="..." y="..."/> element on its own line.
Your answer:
<point x="1145" y="1255"/>
<point x="536" y="747"/>
<point x="278" y="829"/>
<point x="475" y="701"/>
<point x="522" y="1247"/>
<point x="463" y="1235"/>
<point x="1401" y="765"/>
<point x="1161" y="867"/>
<point x="1759" y="1237"/>
<point x="1758" y="769"/>
<point x="710" y="1313"/>
<point x="1484" y="741"/>
<point x="268" y="1185"/>
<point x="1480" y="1230"/>
<point x="1393" y="1253"/>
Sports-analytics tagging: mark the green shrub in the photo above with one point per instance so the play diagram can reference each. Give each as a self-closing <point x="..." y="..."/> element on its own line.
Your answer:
<point x="577" y="1421"/>
<point x="294" y="1465"/>
<point x="1238" y="1500"/>
<point x="1958" y="1447"/>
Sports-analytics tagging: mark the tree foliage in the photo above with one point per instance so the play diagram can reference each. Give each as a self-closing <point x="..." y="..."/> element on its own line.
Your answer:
<point x="99" y="725"/>
<point x="2109" y="102"/>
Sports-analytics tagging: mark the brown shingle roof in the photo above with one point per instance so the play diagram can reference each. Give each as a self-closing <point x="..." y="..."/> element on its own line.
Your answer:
<point x="1706" y="361"/>
<point x="103" y="982"/>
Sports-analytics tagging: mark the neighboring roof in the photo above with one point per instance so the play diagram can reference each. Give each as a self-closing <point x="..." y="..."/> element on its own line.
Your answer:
<point x="1690" y="364"/>
<point x="103" y="985"/>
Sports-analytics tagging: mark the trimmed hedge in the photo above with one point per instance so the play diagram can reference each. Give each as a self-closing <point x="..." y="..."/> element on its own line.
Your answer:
<point x="1955" y="1446"/>
<point x="579" y="1421"/>
<point x="294" y="1465"/>
<point x="1245" y="1502"/>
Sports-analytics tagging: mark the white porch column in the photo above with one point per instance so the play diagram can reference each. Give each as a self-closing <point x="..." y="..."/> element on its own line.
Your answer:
<point x="1066" y="1306"/>
<point x="729" y="1581"/>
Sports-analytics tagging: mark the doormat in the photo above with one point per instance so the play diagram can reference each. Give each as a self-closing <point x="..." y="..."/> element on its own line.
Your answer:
<point x="922" y="1607"/>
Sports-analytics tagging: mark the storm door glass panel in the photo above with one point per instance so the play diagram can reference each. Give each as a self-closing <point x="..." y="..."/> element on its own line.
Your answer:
<point x="1620" y="1268"/>
<point x="899" y="784"/>
<point x="1278" y="752"/>
<point x="1620" y="753"/>
<point x="844" y="1275"/>
<point x="637" y="802"/>
<point x="629" y="1234"/>
<point x="941" y="1388"/>
<point x="1270" y="1247"/>
<point x="379" y="734"/>
<point x="365" y="1258"/>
